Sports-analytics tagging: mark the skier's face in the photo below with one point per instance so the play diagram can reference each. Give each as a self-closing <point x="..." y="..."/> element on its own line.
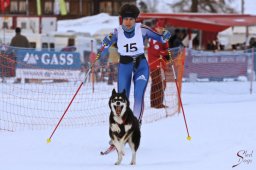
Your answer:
<point x="128" y="22"/>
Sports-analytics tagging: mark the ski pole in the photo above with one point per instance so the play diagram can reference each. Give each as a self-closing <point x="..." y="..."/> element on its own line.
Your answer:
<point x="97" y="57"/>
<point x="178" y="90"/>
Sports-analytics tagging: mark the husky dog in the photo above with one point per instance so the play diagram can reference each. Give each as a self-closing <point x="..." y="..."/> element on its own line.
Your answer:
<point x="123" y="126"/>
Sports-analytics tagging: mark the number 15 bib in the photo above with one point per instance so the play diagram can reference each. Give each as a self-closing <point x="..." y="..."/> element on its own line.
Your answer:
<point x="130" y="46"/>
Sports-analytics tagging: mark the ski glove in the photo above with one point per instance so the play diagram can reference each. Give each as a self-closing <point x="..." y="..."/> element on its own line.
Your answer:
<point x="166" y="35"/>
<point x="107" y="40"/>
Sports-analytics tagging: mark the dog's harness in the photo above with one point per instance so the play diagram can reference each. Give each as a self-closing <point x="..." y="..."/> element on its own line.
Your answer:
<point x="124" y="120"/>
<point x="122" y="131"/>
<point x="122" y="128"/>
<point x="128" y="59"/>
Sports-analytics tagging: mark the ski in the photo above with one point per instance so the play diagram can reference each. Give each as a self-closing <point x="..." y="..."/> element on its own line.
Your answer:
<point x="110" y="149"/>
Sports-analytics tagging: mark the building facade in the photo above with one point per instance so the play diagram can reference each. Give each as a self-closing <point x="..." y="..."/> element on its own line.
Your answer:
<point x="74" y="8"/>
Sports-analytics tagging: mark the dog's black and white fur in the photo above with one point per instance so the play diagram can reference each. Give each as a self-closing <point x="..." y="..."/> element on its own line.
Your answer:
<point x="124" y="126"/>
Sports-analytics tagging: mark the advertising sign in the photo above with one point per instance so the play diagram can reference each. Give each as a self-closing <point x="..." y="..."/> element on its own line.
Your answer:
<point x="47" y="64"/>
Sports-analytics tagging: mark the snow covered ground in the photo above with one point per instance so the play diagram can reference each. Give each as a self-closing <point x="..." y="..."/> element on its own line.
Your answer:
<point x="221" y="120"/>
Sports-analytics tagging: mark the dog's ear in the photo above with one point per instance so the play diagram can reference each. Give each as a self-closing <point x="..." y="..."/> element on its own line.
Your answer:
<point x="114" y="92"/>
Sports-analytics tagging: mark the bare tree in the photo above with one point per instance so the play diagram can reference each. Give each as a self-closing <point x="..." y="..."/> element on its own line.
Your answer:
<point x="194" y="6"/>
<point x="143" y="7"/>
<point x="149" y="5"/>
<point x="207" y="6"/>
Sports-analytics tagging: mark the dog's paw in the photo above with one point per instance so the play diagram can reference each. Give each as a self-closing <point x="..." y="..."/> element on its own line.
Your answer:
<point x="115" y="128"/>
<point x="118" y="163"/>
<point x="133" y="163"/>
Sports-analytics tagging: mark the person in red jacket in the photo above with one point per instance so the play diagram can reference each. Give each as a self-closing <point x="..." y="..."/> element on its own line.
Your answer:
<point x="157" y="58"/>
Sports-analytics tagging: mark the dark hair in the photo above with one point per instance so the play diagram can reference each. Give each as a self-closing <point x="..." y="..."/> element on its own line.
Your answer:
<point x="18" y="30"/>
<point x="129" y="10"/>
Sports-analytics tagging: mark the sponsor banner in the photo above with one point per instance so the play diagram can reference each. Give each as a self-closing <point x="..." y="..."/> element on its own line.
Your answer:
<point x="216" y="65"/>
<point x="47" y="74"/>
<point x="47" y="64"/>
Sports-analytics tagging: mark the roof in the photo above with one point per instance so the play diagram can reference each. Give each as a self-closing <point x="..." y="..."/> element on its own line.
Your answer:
<point x="206" y="22"/>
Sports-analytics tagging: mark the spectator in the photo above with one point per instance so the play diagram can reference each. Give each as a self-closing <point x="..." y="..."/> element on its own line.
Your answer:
<point x="252" y="42"/>
<point x="176" y="39"/>
<point x="212" y="45"/>
<point x="173" y="38"/>
<point x="157" y="55"/>
<point x="19" y="41"/>
<point x="196" y="42"/>
<point x="113" y="59"/>
<point x="215" y="45"/>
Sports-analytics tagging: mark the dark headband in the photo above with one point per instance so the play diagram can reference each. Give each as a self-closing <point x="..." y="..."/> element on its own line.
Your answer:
<point x="129" y="15"/>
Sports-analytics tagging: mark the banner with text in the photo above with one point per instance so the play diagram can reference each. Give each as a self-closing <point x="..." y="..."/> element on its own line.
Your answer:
<point x="47" y="64"/>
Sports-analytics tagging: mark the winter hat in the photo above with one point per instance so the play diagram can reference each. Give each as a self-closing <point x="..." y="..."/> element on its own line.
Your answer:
<point x="129" y="10"/>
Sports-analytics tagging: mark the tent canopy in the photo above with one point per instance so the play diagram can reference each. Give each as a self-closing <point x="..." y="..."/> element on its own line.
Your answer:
<point x="205" y="22"/>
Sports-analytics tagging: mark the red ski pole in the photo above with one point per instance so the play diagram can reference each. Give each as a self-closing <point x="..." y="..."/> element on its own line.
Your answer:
<point x="98" y="56"/>
<point x="179" y="95"/>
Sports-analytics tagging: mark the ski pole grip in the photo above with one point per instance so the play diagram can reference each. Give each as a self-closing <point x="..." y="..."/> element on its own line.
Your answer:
<point x="169" y="51"/>
<point x="102" y="48"/>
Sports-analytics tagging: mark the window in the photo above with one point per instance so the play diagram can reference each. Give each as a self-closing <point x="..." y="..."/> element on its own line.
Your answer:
<point x="48" y="7"/>
<point x="116" y="8"/>
<point x="106" y="7"/>
<point x="74" y="8"/>
<point x="32" y="44"/>
<point x="22" y="7"/>
<point x="109" y="7"/>
<point x="23" y="25"/>
<point x="68" y="7"/>
<point x="52" y="46"/>
<point x="14" y="7"/>
<point x="44" y="45"/>
<point x="5" y="25"/>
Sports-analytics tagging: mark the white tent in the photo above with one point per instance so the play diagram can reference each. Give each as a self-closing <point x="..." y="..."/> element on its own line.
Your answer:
<point x="236" y="35"/>
<point x="96" y="24"/>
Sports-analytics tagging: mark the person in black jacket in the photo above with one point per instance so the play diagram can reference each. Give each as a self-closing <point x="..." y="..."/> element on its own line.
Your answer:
<point x="19" y="40"/>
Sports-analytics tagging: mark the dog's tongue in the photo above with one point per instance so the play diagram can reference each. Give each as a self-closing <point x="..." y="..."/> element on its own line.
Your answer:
<point x="118" y="110"/>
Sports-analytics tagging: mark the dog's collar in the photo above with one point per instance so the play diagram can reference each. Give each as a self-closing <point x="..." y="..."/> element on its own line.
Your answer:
<point x="124" y="119"/>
